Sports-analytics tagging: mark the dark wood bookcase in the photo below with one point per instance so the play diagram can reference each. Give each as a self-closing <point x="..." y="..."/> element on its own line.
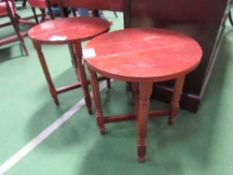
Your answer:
<point x="201" y="19"/>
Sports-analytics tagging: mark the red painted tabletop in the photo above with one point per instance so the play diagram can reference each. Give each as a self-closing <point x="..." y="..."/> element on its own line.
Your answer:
<point x="142" y="54"/>
<point x="67" y="30"/>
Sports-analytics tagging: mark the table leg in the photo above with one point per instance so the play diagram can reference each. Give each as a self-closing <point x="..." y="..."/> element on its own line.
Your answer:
<point x="72" y="53"/>
<point x="135" y="97"/>
<point x="46" y="72"/>
<point x="134" y="90"/>
<point x="98" y="105"/>
<point x="179" y="82"/>
<point x="108" y="83"/>
<point x="81" y="74"/>
<point x="73" y="57"/>
<point x="145" y="90"/>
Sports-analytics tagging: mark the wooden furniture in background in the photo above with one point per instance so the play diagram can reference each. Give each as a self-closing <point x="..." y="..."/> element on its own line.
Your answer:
<point x="7" y="9"/>
<point x="201" y="19"/>
<point x="112" y="5"/>
<point x="42" y="5"/>
<point x="142" y="56"/>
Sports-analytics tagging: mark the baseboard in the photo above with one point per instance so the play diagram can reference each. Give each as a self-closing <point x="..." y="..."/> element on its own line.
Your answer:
<point x="188" y="102"/>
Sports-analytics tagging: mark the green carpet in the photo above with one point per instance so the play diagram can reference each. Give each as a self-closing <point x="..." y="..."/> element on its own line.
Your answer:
<point x="197" y="144"/>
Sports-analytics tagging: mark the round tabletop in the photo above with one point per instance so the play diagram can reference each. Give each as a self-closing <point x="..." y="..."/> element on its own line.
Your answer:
<point x="66" y="30"/>
<point x="142" y="54"/>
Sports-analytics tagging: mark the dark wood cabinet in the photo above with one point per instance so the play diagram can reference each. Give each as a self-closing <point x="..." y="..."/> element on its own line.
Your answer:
<point x="201" y="19"/>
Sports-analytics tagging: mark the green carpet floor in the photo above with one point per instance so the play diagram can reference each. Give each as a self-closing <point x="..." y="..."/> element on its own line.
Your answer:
<point x="198" y="144"/>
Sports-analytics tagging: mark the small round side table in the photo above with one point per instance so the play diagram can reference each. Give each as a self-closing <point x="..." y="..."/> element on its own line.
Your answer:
<point x="69" y="31"/>
<point x="142" y="56"/>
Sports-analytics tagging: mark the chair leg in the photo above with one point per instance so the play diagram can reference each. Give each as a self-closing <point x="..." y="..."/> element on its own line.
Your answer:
<point x="24" y="3"/>
<point x="230" y="18"/>
<point x="51" y="14"/>
<point x="23" y="45"/>
<point x="101" y="14"/>
<point x="115" y="14"/>
<point x="81" y="74"/>
<point x="35" y="15"/>
<point x="43" y="14"/>
<point x="15" y="23"/>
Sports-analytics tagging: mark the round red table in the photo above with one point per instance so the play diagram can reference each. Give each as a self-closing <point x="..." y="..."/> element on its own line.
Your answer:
<point x="69" y="31"/>
<point x="141" y="56"/>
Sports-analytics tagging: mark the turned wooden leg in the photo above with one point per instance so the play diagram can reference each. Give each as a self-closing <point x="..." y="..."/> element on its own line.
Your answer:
<point x="73" y="10"/>
<point x="145" y="90"/>
<point x="97" y="99"/>
<point x="81" y="75"/>
<point x="23" y="45"/>
<point x="179" y="82"/>
<point x="46" y="72"/>
<point x="15" y="22"/>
